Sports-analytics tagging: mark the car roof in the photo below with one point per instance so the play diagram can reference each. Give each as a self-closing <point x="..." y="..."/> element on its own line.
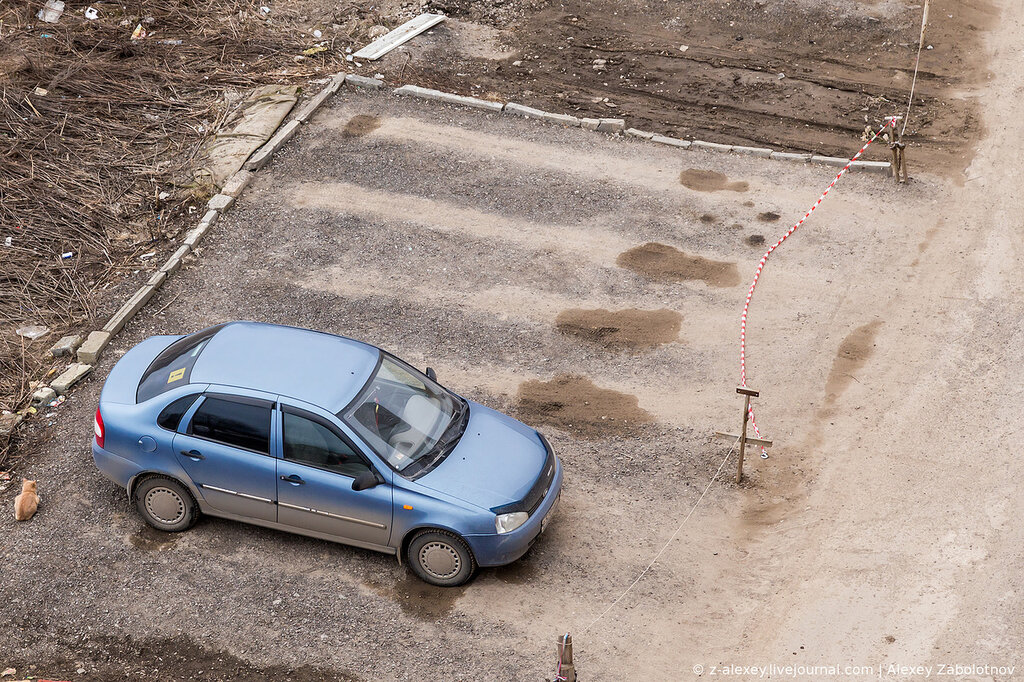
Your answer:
<point x="318" y="368"/>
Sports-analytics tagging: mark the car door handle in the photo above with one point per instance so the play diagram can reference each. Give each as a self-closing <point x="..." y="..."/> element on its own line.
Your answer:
<point x="294" y="479"/>
<point x="193" y="454"/>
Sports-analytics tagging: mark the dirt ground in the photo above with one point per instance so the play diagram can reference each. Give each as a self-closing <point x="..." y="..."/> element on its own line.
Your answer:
<point x="792" y="74"/>
<point x="534" y="266"/>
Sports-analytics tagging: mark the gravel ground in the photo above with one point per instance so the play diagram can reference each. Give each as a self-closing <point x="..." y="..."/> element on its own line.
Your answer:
<point x="459" y="239"/>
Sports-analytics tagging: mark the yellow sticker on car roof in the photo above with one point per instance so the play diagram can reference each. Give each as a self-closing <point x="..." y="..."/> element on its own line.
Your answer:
<point x="175" y="375"/>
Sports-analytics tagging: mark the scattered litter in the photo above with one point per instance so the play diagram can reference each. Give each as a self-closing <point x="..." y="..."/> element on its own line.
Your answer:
<point x="9" y="241"/>
<point x="51" y="11"/>
<point x="400" y="35"/>
<point x="684" y="48"/>
<point x="10" y="672"/>
<point x="147" y="256"/>
<point x="265" y="9"/>
<point x="139" y="33"/>
<point x="517" y="62"/>
<point x="168" y="41"/>
<point x="781" y="75"/>
<point x="316" y="49"/>
<point x="32" y="331"/>
<point x="67" y="254"/>
<point x="45" y="35"/>
<point x="41" y="92"/>
<point x="5" y="476"/>
<point x="164" y="196"/>
<point x="348" y="58"/>
<point x="929" y="48"/>
<point x="57" y="402"/>
<point x="92" y="13"/>
<point x="318" y="34"/>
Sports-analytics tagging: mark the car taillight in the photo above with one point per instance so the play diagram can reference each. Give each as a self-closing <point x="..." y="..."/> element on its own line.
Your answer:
<point x="97" y="428"/>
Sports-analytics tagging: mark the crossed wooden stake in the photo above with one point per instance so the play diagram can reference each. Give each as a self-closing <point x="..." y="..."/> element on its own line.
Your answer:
<point x="747" y="394"/>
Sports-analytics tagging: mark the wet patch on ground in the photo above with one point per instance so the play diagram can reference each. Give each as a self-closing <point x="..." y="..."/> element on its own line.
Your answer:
<point x="710" y="181"/>
<point x="360" y="125"/>
<point x="853" y="352"/>
<point x="574" y="404"/>
<point x="756" y="240"/>
<point x="629" y="328"/>
<point x="419" y="599"/>
<point x="151" y="540"/>
<point x="668" y="264"/>
<point x="768" y="216"/>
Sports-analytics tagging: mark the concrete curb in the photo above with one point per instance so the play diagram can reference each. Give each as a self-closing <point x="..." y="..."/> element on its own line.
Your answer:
<point x="529" y="112"/>
<point x="427" y="93"/>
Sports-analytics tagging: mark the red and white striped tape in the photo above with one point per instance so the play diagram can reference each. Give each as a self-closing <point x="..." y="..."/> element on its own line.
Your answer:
<point x="889" y="123"/>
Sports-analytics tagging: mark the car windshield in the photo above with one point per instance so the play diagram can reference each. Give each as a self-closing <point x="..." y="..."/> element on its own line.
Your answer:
<point x="409" y="420"/>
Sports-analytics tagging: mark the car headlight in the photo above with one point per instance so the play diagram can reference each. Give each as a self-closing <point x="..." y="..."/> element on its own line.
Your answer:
<point x="506" y="523"/>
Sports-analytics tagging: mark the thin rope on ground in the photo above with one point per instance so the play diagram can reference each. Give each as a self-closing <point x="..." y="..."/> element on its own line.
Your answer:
<point x="669" y="542"/>
<point x="913" y="83"/>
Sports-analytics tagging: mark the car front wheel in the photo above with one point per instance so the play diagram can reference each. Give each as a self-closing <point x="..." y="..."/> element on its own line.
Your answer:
<point x="166" y="504"/>
<point x="441" y="558"/>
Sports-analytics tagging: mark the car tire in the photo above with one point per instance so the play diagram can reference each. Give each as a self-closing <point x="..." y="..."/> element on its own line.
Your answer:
<point x="166" y="504"/>
<point x="441" y="558"/>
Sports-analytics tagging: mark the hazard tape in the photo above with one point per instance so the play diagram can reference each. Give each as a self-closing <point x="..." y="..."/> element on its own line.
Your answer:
<point x="889" y="123"/>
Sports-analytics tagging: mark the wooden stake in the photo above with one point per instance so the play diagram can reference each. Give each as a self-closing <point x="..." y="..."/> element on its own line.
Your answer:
<point x="747" y="394"/>
<point x="566" y="669"/>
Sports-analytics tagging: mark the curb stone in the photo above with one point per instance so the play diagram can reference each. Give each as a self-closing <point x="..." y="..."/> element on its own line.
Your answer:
<point x="220" y="202"/>
<point x="529" y="112"/>
<point x="790" y="156"/>
<point x="90" y="351"/>
<point x="364" y="82"/>
<point x="671" y="141"/>
<point x="760" y="152"/>
<point x="830" y="160"/>
<point x="427" y="93"/>
<point x="128" y="310"/>
<point x="262" y="155"/>
<point x="872" y="166"/>
<point x="710" y="146"/>
<point x="71" y="376"/>
<point x="66" y="346"/>
<point x="236" y="184"/>
<point x="633" y="132"/>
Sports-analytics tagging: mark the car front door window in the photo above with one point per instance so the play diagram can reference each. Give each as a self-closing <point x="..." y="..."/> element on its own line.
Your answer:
<point x="308" y="441"/>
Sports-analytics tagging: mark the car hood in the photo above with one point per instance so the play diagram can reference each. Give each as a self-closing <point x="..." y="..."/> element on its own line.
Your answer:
<point x="496" y="462"/>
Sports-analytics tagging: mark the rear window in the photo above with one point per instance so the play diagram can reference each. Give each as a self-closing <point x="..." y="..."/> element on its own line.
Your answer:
<point x="173" y="367"/>
<point x="241" y="422"/>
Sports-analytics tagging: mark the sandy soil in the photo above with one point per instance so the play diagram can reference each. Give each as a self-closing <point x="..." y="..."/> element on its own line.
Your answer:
<point x="881" y="531"/>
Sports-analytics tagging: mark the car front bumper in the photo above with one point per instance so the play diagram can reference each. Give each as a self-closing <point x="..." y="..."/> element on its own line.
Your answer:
<point x="493" y="549"/>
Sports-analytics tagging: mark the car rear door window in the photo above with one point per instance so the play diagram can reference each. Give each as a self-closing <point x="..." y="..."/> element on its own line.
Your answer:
<point x="171" y="415"/>
<point x="241" y="422"/>
<point x="308" y="440"/>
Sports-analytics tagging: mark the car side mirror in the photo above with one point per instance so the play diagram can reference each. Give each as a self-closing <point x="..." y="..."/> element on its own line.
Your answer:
<point x="431" y="374"/>
<point x="365" y="480"/>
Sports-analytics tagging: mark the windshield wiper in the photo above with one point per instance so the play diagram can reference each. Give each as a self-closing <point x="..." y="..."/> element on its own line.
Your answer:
<point x="444" y="446"/>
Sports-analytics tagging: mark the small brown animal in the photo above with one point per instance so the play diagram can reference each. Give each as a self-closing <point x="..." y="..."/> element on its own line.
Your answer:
<point x="26" y="503"/>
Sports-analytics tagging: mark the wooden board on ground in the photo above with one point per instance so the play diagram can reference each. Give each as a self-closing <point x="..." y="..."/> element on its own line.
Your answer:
<point x="402" y="34"/>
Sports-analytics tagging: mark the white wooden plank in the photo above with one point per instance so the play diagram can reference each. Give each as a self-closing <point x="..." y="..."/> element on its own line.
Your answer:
<point x="402" y="34"/>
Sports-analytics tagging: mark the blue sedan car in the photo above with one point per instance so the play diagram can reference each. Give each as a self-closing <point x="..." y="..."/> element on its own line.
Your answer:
<point x="324" y="436"/>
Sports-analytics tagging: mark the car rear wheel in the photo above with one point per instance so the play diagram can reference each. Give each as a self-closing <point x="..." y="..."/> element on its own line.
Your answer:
<point x="166" y="504"/>
<point x="441" y="558"/>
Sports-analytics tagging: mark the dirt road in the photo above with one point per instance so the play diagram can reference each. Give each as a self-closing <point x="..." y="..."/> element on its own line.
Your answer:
<point x="882" y="530"/>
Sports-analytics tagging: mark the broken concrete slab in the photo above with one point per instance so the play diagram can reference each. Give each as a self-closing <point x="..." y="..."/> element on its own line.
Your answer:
<point x="263" y="155"/>
<point x="43" y="395"/>
<point x="236" y="184"/>
<point x="364" y="82"/>
<point x="8" y="422"/>
<point x="760" y="152"/>
<point x="66" y="346"/>
<point x="611" y="125"/>
<point x="220" y="203"/>
<point x="90" y="351"/>
<point x="671" y="141"/>
<point x="128" y="310"/>
<point x="633" y="132"/>
<point x="710" y="146"/>
<point x="791" y="156"/>
<point x="404" y="33"/>
<point x="71" y="376"/>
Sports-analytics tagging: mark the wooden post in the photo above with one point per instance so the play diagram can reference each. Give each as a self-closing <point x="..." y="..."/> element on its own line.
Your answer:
<point x="747" y="394"/>
<point x="743" y="436"/>
<point x="566" y="669"/>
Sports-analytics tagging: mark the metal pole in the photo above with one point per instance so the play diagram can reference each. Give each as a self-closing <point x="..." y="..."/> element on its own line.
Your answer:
<point x="743" y="437"/>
